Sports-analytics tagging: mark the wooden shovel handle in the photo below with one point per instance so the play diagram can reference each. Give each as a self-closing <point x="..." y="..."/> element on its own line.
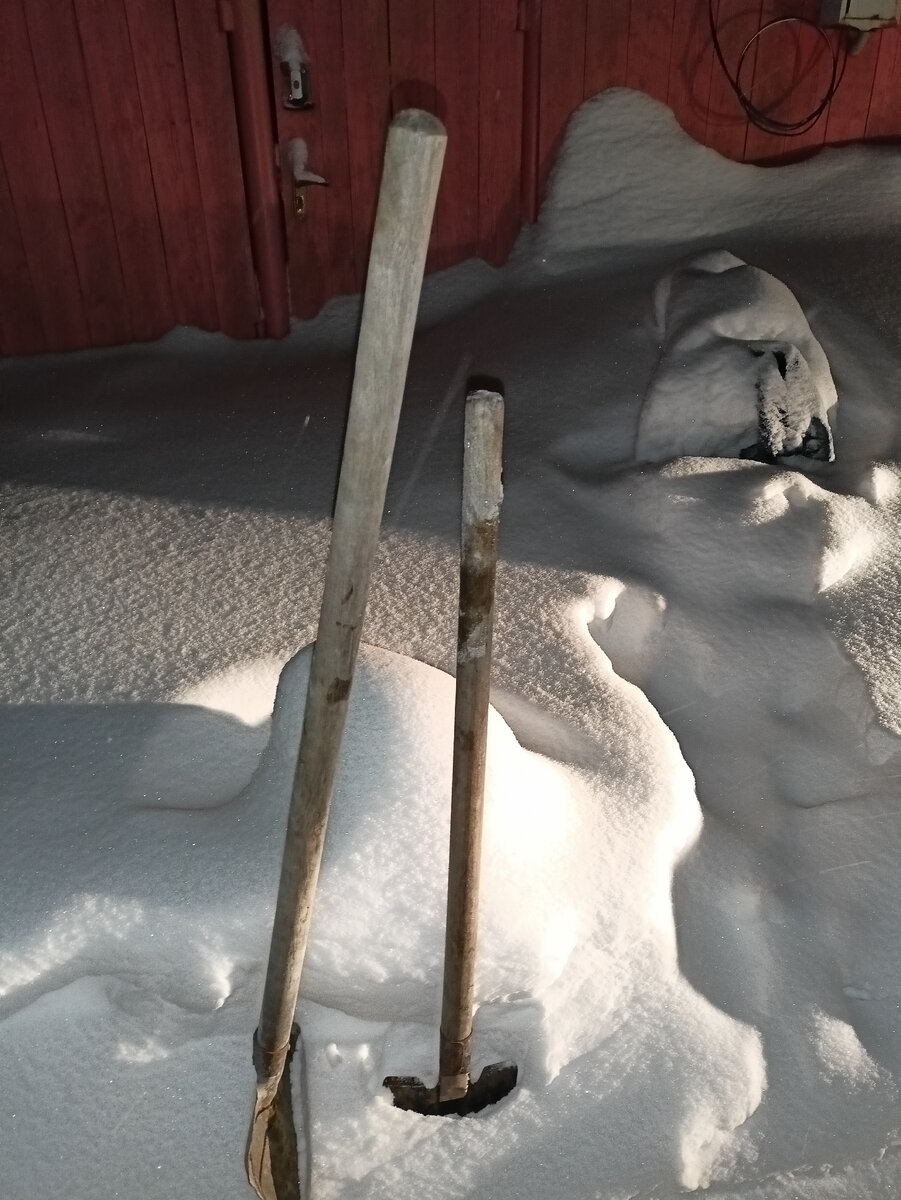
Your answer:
<point x="412" y="169"/>
<point x="482" y="492"/>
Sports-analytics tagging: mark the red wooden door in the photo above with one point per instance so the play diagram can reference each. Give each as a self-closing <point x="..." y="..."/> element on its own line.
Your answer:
<point x="366" y="60"/>
<point x="122" y="206"/>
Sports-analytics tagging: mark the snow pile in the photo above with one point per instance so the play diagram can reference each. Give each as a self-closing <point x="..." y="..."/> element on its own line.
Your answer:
<point x="691" y="888"/>
<point x="740" y="372"/>
<point x="628" y="177"/>
<point x="378" y="940"/>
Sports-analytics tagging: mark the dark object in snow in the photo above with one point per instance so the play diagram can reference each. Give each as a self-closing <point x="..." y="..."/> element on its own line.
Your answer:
<point x="493" y="1084"/>
<point x="787" y="409"/>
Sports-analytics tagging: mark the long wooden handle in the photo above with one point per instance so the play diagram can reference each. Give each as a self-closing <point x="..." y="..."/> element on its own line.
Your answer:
<point x="482" y="493"/>
<point x="412" y="169"/>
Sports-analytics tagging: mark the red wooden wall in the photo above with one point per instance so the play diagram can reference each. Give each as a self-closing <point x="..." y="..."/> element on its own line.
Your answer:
<point x="122" y="209"/>
<point x="121" y="197"/>
<point x="368" y="60"/>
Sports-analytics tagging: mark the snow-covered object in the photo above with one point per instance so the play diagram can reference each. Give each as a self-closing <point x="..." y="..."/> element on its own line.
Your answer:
<point x="290" y="48"/>
<point x="298" y="154"/>
<point x="740" y="373"/>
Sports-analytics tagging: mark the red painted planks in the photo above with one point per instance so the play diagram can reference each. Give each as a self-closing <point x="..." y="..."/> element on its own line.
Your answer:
<point x="34" y="190"/>
<point x="306" y="235"/>
<point x="113" y="88"/>
<point x="456" y="235"/>
<point x="411" y="38"/>
<point x="414" y="44"/>
<point x="562" y="74"/>
<point x="212" y="110"/>
<point x="847" y="115"/>
<point x="153" y="35"/>
<point x="21" y="331"/>
<point x="79" y="168"/>
<point x="726" y="126"/>
<point x="884" y="115"/>
<point x="606" y="44"/>
<point x="500" y="142"/>
<point x="368" y="84"/>
<point x="812" y="75"/>
<point x="691" y="67"/>
<point x="330" y="94"/>
<point x="320" y="242"/>
<point x="770" y="79"/>
<point x="650" y="46"/>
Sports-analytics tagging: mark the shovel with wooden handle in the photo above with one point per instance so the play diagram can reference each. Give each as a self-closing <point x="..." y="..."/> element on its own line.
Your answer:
<point x="413" y="158"/>
<point x="456" y="1093"/>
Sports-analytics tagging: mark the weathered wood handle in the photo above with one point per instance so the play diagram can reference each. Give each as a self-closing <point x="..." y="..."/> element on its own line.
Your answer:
<point x="413" y="158"/>
<point x="482" y="492"/>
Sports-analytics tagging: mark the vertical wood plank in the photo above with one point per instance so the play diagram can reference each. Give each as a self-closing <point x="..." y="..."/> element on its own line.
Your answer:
<point x="500" y="139"/>
<point x="412" y="31"/>
<point x="212" y="109"/>
<point x="113" y="89"/>
<point x="562" y="75"/>
<point x="53" y="34"/>
<point x="153" y="35"/>
<point x="457" y="70"/>
<point x="606" y="45"/>
<point x="308" y="239"/>
<point x="884" y="115"/>
<point x="650" y="46"/>
<point x="411" y="37"/>
<point x="726" y="127"/>
<point x="846" y="119"/>
<point x="21" y="330"/>
<point x="330" y="92"/>
<point x="691" y="67"/>
<point x="812" y="73"/>
<point x="368" y="87"/>
<point x="770" y="82"/>
<point x="34" y="190"/>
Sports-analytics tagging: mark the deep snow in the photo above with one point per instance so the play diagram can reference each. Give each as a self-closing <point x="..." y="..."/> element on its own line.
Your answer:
<point x="692" y="890"/>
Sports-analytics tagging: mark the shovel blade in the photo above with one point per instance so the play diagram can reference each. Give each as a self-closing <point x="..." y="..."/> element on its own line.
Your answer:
<point x="495" y="1082"/>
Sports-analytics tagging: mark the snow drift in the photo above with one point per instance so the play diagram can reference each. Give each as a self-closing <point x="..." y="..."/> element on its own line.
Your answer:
<point x="740" y="372"/>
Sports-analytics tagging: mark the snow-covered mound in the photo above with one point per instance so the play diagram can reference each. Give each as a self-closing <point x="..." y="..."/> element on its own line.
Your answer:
<point x="377" y="942"/>
<point x="739" y="373"/>
<point x="629" y="177"/>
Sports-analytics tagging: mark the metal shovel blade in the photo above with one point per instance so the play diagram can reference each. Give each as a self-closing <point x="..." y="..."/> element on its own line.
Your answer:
<point x="493" y="1084"/>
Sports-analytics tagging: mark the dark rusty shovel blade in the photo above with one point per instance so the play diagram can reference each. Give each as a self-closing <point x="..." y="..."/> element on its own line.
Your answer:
<point x="493" y="1084"/>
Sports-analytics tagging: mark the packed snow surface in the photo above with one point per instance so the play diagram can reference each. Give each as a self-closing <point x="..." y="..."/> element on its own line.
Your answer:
<point x="691" y="883"/>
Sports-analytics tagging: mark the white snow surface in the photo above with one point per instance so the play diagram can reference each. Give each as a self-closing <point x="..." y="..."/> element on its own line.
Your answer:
<point x="691" y="883"/>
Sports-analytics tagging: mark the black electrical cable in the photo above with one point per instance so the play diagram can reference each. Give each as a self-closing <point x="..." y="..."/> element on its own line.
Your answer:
<point x="757" y="116"/>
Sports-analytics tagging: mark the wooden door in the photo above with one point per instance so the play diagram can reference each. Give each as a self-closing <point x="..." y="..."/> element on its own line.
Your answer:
<point x="122" y="206"/>
<point x="366" y="60"/>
